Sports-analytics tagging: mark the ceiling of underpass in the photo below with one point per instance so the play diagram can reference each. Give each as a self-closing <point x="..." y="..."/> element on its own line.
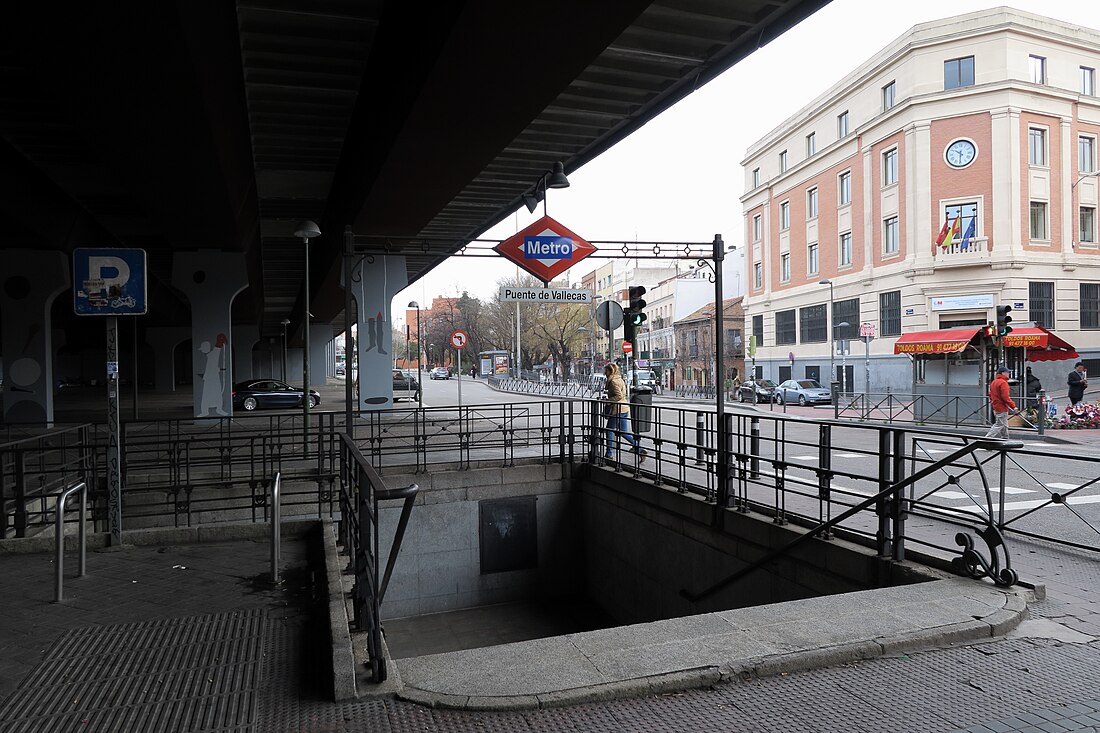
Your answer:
<point x="181" y="125"/>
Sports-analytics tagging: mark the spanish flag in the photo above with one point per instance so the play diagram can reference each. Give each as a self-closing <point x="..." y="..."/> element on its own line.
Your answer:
<point x="951" y="229"/>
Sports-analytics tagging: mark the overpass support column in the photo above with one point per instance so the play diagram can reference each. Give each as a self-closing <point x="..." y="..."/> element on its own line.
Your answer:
<point x="244" y="339"/>
<point x="373" y="286"/>
<point x="322" y="362"/>
<point x="164" y="341"/>
<point x="29" y="283"/>
<point x="211" y="280"/>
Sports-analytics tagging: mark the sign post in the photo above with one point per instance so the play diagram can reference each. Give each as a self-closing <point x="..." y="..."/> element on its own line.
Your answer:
<point x="867" y="332"/>
<point x="112" y="283"/>
<point x="459" y="339"/>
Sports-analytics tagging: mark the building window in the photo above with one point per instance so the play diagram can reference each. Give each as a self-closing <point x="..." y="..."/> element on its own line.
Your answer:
<point x="758" y="330"/>
<point x="758" y="275"/>
<point x="1038" y="220"/>
<point x="813" y="324"/>
<point x="784" y="328"/>
<point x="1088" y="224"/>
<point x="844" y="186"/>
<point x="811" y="204"/>
<point x="845" y="256"/>
<point x="1088" y="81"/>
<point x="1090" y="306"/>
<point x="1086" y="154"/>
<point x="785" y="267"/>
<point x="811" y="259"/>
<point x="846" y="311"/>
<point x="757" y="228"/>
<point x="842" y="125"/>
<point x="783" y="161"/>
<point x="969" y="214"/>
<point x="890" y="167"/>
<point x="1036" y="146"/>
<point x="693" y="342"/>
<point x="1040" y="298"/>
<point x="1037" y="69"/>
<point x="958" y="73"/>
<point x="890" y="243"/>
<point x="785" y="215"/>
<point x="889" y="313"/>
<point x="755" y="177"/>
<point x="811" y="144"/>
<point x="889" y="96"/>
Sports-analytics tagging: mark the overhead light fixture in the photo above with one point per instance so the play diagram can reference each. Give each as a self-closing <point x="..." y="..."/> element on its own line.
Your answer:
<point x="557" y="178"/>
<point x="550" y="179"/>
<point x="531" y="199"/>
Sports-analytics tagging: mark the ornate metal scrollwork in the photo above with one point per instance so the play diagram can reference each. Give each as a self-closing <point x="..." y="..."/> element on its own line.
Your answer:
<point x="974" y="564"/>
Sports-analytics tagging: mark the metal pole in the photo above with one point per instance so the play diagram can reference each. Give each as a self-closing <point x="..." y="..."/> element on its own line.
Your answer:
<point x="305" y="358"/>
<point x="519" y="350"/>
<point x="721" y="447"/>
<point x="349" y="340"/>
<point x="867" y="364"/>
<point x="135" y="375"/>
<point x="419" y="362"/>
<point x="1041" y="408"/>
<point x="832" y="337"/>
<point x="459" y="378"/>
<point x="114" y="437"/>
<point x="844" y="367"/>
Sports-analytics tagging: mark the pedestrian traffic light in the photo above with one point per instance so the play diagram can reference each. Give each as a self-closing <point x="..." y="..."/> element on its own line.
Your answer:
<point x="990" y="331"/>
<point x="1003" y="319"/>
<point x="632" y="314"/>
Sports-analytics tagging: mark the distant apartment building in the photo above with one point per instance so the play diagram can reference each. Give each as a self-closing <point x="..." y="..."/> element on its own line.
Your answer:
<point x="696" y="345"/>
<point x="954" y="171"/>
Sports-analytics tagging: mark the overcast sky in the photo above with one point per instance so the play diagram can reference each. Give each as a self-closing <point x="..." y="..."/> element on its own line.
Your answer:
<point x="679" y="177"/>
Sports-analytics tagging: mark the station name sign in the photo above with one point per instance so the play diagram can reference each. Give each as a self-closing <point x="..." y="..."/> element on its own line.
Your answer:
<point x="562" y="296"/>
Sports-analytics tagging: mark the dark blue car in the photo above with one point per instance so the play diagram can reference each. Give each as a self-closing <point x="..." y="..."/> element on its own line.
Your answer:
<point x="270" y="393"/>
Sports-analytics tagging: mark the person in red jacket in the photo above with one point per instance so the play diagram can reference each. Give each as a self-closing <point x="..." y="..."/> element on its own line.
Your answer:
<point x="1001" y="401"/>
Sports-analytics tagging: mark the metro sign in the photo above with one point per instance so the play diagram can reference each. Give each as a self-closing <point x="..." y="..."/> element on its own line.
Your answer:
<point x="545" y="249"/>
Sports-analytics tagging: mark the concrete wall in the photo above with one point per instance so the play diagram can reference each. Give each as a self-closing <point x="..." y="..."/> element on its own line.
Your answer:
<point x="644" y="544"/>
<point x="438" y="567"/>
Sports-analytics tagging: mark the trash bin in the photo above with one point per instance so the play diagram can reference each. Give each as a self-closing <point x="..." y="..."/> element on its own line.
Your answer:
<point x="641" y="412"/>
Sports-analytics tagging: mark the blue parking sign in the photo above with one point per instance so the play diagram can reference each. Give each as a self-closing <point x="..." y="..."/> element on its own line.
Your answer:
<point x="109" y="282"/>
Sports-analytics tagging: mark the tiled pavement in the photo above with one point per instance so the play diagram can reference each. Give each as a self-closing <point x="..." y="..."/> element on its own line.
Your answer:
<point x="1024" y="683"/>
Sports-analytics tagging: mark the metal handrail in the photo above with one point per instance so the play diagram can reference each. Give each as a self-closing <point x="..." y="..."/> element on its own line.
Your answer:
<point x="276" y="527"/>
<point x="59" y="563"/>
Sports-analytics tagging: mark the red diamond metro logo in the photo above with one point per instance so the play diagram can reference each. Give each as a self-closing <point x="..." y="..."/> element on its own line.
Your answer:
<point x="545" y="249"/>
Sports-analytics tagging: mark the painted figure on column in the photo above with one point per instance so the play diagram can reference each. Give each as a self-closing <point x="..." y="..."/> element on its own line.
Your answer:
<point x="213" y="377"/>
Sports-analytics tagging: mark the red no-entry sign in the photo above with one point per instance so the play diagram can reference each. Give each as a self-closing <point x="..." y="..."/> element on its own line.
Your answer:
<point x="627" y="347"/>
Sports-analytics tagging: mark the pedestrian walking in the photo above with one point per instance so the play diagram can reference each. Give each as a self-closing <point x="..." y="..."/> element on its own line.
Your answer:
<point x="1077" y="381"/>
<point x="1032" y="387"/>
<point x="617" y="411"/>
<point x="1001" y="401"/>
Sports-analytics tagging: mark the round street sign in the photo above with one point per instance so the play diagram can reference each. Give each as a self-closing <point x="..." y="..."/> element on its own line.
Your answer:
<point x="459" y="339"/>
<point x="609" y="315"/>
<point x="627" y="347"/>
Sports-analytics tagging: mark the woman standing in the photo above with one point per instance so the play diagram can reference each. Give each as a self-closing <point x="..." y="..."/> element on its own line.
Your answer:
<point x="617" y="411"/>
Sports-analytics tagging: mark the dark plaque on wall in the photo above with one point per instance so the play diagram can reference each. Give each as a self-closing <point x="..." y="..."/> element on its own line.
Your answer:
<point x="508" y="534"/>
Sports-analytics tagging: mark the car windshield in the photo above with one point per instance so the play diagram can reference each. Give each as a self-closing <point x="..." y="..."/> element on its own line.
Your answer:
<point x="765" y="383"/>
<point x="643" y="374"/>
<point x="809" y="384"/>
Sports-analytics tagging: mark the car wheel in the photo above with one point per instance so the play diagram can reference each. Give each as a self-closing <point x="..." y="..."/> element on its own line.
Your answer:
<point x="250" y="404"/>
<point x="314" y="401"/>
<point x="801" y="400"/>
<point x="779" y="399"/>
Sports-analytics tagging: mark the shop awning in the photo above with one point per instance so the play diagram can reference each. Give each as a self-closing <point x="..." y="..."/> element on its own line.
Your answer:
<point x="1041" y="344"/>
<point x="935" y="342"/>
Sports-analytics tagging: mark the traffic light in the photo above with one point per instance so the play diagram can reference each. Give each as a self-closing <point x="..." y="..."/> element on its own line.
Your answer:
<point x="1003" y="319"/>
<point x="632" y="314"/>
<point x="990" y="331"/>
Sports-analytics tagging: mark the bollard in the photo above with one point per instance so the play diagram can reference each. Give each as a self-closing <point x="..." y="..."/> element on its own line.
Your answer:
<point x="700" y="436"/>
<point x="754" y="447"/>
<point x="834" y="387"/>
<point x="1042" y="404"/>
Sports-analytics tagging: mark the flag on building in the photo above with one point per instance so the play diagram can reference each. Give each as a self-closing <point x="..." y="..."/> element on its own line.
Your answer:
<point x="949" y="232"/>
<point x="969" y="235"/>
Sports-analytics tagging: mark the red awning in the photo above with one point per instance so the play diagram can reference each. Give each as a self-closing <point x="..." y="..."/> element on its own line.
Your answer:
<point x="1041" y="344"/>
<point x="935" y="342"/>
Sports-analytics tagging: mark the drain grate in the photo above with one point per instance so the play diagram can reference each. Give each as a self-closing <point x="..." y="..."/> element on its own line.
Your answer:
<point x="196" y="674"/>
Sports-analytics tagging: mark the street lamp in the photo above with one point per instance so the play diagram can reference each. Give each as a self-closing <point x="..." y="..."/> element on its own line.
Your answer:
<point x="829" y="323"/>
<point x="844" y="360"/>
<point x="286" y="322"/>
<point x="419" y="361"/>
<point x="549" y="179"/>
<point x="586" y="329"/>
<point x="305" y="231"/>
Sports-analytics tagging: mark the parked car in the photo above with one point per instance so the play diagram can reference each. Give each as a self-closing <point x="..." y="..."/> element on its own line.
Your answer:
<point x="647" y="381"/>
<point x="440" y="373"/>
<point x="405" y="387"/>
<point x="802" y="391"/>
<point x="270" y="393"/>
<point x="759" y="390"/>
<point x="341" y="370"/>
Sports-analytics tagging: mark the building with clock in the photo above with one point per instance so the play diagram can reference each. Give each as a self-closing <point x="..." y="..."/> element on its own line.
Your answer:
<point x="953" y="172"/>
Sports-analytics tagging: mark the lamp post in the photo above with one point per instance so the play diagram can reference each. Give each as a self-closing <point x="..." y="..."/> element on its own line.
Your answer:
<point x="306" y="230"/>
<point x="419" y="361"/>
<point x="843" y="360"/>
<point x="286" y="322"/>
<point x="829" y="323"/>
<point x="586" y="329"/>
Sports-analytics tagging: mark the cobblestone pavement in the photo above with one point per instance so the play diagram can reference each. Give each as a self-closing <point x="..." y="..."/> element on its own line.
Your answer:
<point x="1024" y="683"/>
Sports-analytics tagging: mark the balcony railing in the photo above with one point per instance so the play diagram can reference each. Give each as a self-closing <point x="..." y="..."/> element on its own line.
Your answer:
<point x="977" y="251"/>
